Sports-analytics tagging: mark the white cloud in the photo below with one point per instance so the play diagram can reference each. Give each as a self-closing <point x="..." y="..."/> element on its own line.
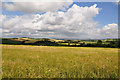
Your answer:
<point x="31" y="7"/>
<point x="77" y="22"/>
<point x="109" y="31"/>
<point x="117" y="2"/>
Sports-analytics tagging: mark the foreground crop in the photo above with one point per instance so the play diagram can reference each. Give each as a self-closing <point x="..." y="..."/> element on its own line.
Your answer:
<point x="19" y="61"/>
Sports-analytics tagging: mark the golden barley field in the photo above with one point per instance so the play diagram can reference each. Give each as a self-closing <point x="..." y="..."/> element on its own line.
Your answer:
<point x="23" y="61"/>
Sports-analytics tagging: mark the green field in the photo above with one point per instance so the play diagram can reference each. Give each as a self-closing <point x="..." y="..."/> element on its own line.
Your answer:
<point x="22" y="61"/>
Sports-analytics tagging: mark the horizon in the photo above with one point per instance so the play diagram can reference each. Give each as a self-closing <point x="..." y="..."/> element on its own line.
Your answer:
<point x="59" y="38"/>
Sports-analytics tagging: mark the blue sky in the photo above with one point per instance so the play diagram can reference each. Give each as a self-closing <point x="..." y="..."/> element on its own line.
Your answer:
<point x="67" y="26"/>
<point x="108" y="13"/>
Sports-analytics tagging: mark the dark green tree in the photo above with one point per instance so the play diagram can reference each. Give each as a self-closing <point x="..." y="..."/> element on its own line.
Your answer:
<point x="99" y="42"/>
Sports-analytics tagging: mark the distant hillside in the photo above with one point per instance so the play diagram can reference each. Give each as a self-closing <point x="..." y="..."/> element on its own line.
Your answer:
<point x="53" y="42"/>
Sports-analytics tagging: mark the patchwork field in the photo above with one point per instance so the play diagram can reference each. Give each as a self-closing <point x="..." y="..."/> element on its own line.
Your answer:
<point x="22" y="61"/>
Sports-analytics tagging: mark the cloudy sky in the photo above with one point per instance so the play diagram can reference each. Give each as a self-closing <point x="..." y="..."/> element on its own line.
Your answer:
<point x="73" y="20"/>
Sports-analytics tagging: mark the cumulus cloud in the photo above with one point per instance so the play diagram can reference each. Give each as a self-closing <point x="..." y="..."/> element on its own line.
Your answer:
<point x="109" y="31"/>
<point x="77" y="23"/>
<point x="31" y="7"/>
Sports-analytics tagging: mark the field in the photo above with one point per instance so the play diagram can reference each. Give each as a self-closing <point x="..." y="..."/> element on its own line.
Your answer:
<point x="25" y="61"/>
<point x="108" y="43"/>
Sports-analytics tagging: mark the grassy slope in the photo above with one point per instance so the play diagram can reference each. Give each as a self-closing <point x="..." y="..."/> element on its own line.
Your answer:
<point x="58" y="62"/>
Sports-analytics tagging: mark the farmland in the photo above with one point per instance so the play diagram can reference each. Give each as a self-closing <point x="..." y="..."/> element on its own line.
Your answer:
<point x="29" y="61"/>
<point x="109" y="43"/>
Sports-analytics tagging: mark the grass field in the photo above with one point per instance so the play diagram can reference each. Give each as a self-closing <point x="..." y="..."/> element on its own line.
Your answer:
<point x="22" y="61"/>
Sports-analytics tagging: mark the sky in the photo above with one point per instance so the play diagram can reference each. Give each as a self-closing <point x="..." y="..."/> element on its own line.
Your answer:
<point x="72" y="20"/>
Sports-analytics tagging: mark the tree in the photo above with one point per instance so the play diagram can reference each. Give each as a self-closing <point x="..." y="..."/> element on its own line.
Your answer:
<point x="45" y="39"/>
<point x="69" y="41"/>
<point x="99" y="42"/>
<point x="23" y="42"/>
